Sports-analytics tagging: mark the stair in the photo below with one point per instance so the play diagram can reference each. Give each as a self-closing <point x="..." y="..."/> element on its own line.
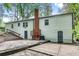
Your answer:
<point x="14" y="33"/>
<point x="8" y="36"/>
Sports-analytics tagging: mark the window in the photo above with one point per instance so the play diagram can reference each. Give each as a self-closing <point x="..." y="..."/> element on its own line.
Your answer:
<point x="18" y="24"/>
<point x="12" y="26"/>
<point x="23" y="24"/>
<point x="26" y="24"/>
<point x="46" y="22"/>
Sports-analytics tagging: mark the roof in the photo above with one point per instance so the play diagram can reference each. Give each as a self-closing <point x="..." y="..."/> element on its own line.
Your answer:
<point x="39" y="18"/>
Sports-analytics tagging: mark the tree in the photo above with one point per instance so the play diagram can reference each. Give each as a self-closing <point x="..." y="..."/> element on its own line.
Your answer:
<point x="27" y="10"/>
<point x="1" y="14"/>
<point x="74" y="7"/>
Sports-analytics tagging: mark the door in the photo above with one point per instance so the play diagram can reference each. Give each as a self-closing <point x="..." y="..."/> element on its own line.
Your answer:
<point x="25" y="34"/>
<point x="60" y="36"/>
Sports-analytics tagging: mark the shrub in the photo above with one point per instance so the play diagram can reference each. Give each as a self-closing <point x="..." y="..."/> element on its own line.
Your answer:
<point x="2" y="29"/>
<point x="77" y="38"/>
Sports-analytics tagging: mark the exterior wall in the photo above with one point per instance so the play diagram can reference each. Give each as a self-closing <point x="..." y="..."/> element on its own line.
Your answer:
<point x="21" y="29"/>
<point x="56" y="23"/>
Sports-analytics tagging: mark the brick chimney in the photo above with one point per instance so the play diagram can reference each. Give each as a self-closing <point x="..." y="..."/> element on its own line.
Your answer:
<point x="36" y="30"/>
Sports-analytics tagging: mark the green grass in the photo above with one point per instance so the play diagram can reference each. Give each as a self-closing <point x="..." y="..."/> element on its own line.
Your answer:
<point x="2" y="27"/>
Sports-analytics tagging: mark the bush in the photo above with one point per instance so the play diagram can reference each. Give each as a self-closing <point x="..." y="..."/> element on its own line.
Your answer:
<point x="2" y="29"/>
<point x="77" y="38"/>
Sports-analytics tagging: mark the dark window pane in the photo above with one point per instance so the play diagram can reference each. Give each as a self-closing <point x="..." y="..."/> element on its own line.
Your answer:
<point x="26" y="24"/>
<point x="46" y="22"/>
<point x="23" y="24"/>
<point x="18" y="24"/>
<point x="12" y="26"/>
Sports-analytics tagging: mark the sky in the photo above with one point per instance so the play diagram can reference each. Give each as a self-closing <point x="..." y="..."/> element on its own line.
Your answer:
<point x="55" y="8"/>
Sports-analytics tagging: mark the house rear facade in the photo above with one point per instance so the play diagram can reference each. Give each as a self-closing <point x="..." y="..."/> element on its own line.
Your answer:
<point x="56" y="28"/>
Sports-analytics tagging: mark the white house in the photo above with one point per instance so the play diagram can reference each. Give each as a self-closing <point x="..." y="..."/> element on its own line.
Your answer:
<point x="56" y="28"/>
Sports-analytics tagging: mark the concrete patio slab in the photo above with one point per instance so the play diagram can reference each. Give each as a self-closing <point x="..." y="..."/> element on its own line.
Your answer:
<point x="47" y="48"/>
<point x="69" y="50"/>
<point x="58" y="49"/>
<point x="7" y="45"/>
<point x="28" y="53"/>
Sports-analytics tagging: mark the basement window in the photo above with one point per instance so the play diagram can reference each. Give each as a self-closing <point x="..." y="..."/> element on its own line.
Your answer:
<point x="12" y="26"/>
<point x="18" y="24"/>
<point x="46" y="22"/>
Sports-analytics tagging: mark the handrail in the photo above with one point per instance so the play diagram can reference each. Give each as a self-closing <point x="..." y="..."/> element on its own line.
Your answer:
<point x="12" y="31"/>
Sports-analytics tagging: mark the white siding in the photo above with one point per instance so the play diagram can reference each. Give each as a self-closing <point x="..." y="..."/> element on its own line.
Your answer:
<point x="21" y="29"/>
<point x="56" y="23"/>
